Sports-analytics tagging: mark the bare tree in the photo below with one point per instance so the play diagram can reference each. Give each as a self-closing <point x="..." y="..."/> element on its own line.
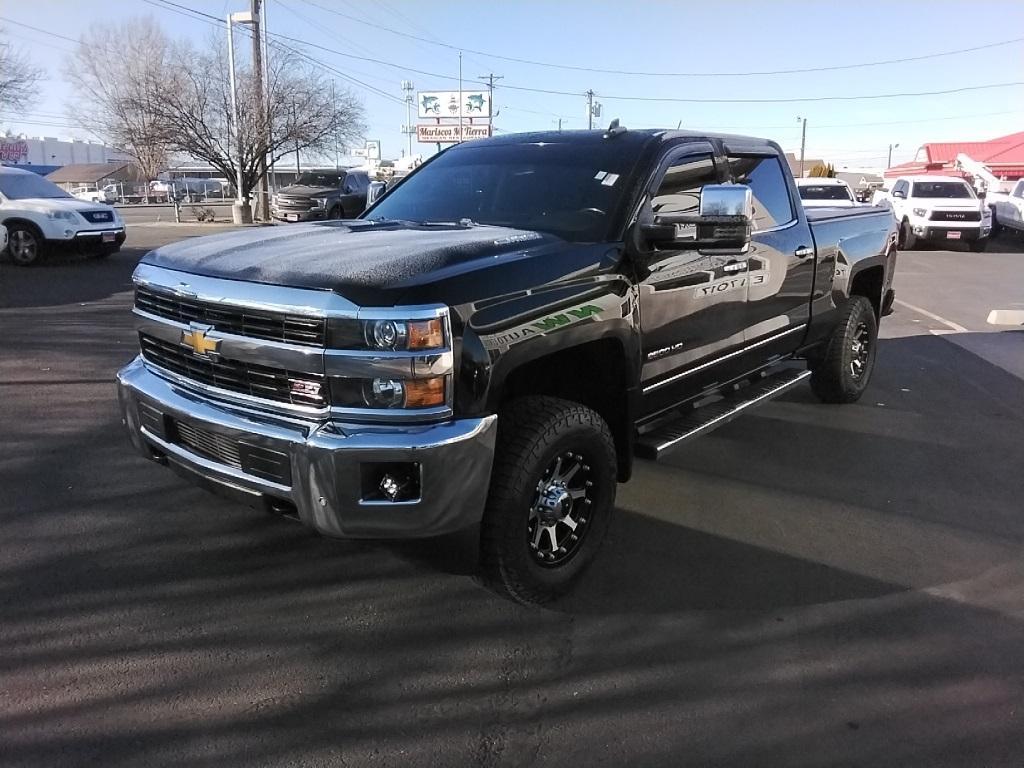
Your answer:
<point x="118" y="73"/>
<point x="18" y="77"/>
<point x="302" y="113"/>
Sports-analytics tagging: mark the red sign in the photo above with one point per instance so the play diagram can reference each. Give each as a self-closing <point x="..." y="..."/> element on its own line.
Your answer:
<point x="13" y="151"/>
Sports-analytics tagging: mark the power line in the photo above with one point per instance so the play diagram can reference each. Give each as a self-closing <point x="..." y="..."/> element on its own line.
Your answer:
<point x="597" y="70"/>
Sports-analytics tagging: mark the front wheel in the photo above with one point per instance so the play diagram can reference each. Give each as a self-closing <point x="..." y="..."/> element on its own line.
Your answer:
<point x="842" y="373"/>
<point x="551" y="497"/>
<point x="907" y="238"/>
<point x="24" y="244"/>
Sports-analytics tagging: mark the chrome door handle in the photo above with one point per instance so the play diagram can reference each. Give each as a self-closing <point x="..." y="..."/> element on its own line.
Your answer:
<point x="803" y="251"/>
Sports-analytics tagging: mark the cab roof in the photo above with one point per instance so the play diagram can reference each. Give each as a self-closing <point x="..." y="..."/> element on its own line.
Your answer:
<point x="628" y="137"/>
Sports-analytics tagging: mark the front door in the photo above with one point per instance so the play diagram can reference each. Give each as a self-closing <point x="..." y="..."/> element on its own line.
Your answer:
<point x="691" y="303"/>
<point x="780" y="262"/>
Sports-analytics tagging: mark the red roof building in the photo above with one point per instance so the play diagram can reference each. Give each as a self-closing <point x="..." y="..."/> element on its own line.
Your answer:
<point x="1004" y="156"/>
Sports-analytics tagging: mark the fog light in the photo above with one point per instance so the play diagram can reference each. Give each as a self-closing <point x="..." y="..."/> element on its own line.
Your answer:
<point x="390" y="481"/>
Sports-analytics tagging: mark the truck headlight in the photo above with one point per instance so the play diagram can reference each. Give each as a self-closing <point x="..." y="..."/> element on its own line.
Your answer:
<point x="397" y="334"/>
<point x="385" y="393"/>
<point x="922" y="212"/>
<point x="319" y="202"/>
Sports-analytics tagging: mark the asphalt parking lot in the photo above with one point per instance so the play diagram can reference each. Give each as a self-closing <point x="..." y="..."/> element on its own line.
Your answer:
<point x="808" y="586"/>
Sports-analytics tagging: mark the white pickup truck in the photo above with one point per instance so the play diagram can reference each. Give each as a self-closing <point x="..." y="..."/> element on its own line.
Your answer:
<point x="1007" y="208"/>
<point x="940" y="209"/>
<point x="41" y="217"/>
<point x="825" y="193"/>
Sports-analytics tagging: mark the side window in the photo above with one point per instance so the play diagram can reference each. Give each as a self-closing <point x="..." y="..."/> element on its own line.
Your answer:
<point x="679" y="189"/>
<point x="772" y="206"/>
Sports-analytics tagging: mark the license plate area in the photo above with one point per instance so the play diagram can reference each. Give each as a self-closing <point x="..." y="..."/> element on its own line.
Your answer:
<point x="292" y="217"/>
<point x="108" y="237"/>
<point x="952" y="235"/>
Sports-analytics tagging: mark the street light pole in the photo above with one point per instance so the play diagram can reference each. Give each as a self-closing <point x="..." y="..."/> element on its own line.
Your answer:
<point x="891" y="148"/>
<point x="803" y="143"/>
<point x="590" y="110"/>
<point x="257" y="72"/>
<point x="241" y="212"/>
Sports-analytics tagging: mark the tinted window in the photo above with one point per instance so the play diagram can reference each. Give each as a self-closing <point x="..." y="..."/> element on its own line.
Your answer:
<point x="320" y="179"/>
<point x="772" y="206"/>
<point x="947" y="189"/>
<point x="20" y="186"/>
<point x="679" y="190"/>
<point x="570" y="190"/>
<point x="824" y="192"/>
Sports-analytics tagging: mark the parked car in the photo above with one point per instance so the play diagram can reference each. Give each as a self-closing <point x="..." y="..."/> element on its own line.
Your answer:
<point x="825" y="193"/>
<point x="42" y="217"/>
<point x="1007" y="208"/>
<point x="322" y="195"/>
<point x="188" y="189"/>
<point x="93" y="195"/>
<point x="940" y="209"/>
<point x="494" y="340"/>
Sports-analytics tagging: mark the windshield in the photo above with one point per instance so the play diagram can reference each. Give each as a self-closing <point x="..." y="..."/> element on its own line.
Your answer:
<point x="941" y="189"/>
<point x="320" y="179"/>
<point x="825" y="192"/>
<point x="21" y="186"/>
<point x="572" y="191"/>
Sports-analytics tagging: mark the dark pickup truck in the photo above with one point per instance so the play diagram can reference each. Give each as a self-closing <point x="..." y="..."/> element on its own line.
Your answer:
<point x="493" y="342"/>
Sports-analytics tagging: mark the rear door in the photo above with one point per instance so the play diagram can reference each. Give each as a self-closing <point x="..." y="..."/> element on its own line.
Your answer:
<point x="780" y="264"/>
<point x="692" y="304"/>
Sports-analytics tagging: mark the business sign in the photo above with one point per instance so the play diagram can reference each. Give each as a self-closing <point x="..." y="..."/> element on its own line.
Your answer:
<point x="15" y="151"/>
<point x="449" y="134"/>
<point x="446" y="103"/>
<point x="371" y="150"/>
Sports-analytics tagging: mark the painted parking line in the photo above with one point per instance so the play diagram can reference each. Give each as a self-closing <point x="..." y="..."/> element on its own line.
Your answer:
<point x="1006" y="317"/>
<point x="955" y="327"/>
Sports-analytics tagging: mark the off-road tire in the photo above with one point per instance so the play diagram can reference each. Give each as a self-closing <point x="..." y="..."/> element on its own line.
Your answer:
<point x="832" y="377"/>
<point x="534" y="432"/>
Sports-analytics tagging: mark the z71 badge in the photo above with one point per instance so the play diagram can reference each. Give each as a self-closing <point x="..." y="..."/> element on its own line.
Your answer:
<point x="729" y="284"/>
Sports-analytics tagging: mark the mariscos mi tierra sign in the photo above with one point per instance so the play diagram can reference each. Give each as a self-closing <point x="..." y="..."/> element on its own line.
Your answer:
<point x="449" y="134"/>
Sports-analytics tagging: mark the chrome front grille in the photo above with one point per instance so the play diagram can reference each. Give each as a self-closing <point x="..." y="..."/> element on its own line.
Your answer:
<point x="277" y="384"/>
<point x="293" y="329"/>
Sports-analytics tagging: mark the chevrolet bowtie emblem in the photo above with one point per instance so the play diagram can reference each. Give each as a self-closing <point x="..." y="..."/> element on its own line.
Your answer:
<point x="195" y="338"/>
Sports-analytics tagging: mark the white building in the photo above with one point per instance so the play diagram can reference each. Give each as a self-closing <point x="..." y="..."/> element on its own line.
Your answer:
<point x="50" y="153"/>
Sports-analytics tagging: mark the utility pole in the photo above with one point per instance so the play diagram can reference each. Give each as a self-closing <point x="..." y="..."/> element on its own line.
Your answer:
<point x="460" y="95"/>
<point x="891" y="148"/>
<point x="590" y="110"/>
<point x="408" y="89"/>
<point x="803" y="143"/>
<point x="257" y="73"/>
<point x="266" y="85"/>
<point x="490" y="78"/>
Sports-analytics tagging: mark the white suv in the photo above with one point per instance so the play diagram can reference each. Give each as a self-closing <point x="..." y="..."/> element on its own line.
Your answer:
<point x="40" y="217"/>
<point x="825" y="193"/>
<point x="939" y="209"/>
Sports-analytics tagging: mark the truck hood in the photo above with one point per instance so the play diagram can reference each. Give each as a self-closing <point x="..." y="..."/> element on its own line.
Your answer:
<point x="947" y="203"/>
<point x="354" y="258"/>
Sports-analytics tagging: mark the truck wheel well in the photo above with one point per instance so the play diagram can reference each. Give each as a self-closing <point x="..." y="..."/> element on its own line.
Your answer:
<point x="869" y="285"/>
<point x="592" y="374"/>
<point x="25" y="223"/>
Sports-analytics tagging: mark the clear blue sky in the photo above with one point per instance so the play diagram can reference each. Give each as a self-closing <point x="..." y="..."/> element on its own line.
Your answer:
<point x="646" y="36"/>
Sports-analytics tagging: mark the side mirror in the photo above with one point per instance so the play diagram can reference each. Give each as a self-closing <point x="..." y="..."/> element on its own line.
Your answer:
<point x="901" y="195"/>
<point x="723" y="224"/>
<point x="374" y="191"/>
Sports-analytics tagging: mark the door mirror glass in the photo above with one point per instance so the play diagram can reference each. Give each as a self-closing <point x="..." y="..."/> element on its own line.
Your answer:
<point x="899" y="193"/>
<point x="374" y="191"/>
<point x="722" y="224"/>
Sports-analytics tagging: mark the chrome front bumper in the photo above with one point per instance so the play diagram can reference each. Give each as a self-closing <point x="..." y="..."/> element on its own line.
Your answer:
<point x="326" y="460"/>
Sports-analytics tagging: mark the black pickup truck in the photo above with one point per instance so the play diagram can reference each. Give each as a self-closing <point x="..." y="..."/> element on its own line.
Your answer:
<point x="493" y="342"/>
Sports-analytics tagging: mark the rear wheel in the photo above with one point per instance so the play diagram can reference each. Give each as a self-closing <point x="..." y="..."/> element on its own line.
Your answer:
<point x="842" y="373"/>
<point x="551" y="497"/>
<point x="24" y="244"/>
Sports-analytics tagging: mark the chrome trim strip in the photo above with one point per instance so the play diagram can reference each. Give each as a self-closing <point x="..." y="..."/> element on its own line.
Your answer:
<point x="723" y="358"/>
<point x="392" y="416"/>
<point x="257" y="403"/>
<point x="245" y="349"/>
<point x="181" y="454"/>
<point x="245" y="295"/>
<point x="368" y="364"/>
